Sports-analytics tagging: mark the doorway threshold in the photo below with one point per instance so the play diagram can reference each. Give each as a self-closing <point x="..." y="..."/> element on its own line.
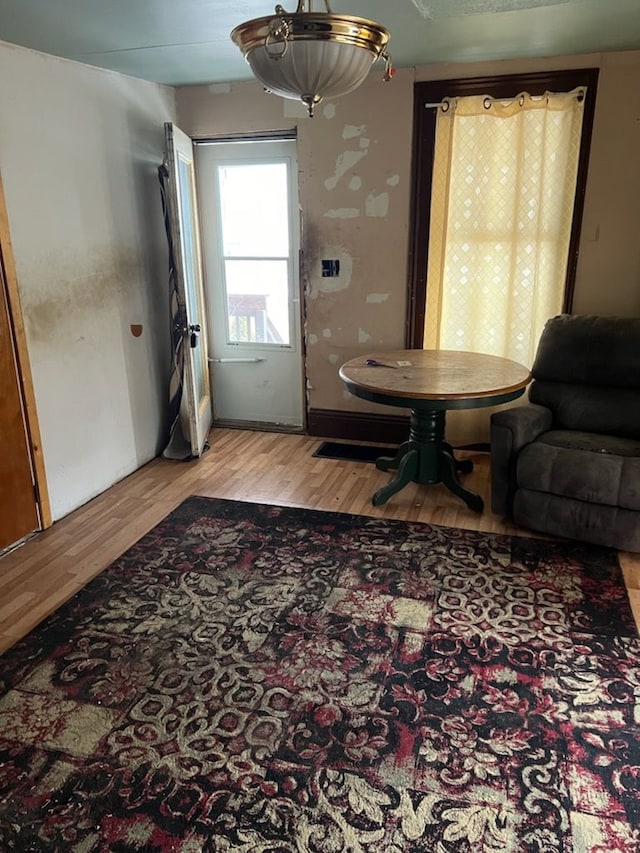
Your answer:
<point x="259" y="426"/>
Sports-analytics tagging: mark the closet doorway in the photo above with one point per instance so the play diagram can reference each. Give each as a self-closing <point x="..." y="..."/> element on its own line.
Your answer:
<point x="24" y="503"/>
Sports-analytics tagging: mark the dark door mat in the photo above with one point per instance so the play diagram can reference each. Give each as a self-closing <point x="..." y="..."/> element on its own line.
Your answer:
<point x="352" y="452"/>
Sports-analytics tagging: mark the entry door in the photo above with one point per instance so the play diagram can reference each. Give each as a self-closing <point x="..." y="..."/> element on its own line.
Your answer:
<point x="18" y="507"/>
<point x="196" y="412"/>
<point x="250" y="226"/>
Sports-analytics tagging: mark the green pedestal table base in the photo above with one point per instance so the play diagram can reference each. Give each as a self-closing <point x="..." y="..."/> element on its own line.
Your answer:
<point x="426" y="458"/>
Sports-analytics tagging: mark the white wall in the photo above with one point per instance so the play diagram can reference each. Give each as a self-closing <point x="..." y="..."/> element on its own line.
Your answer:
<point x="79" y="151"/>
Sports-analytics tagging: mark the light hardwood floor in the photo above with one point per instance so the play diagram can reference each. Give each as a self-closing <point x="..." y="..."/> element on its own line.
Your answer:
<point x="242" y="465"/>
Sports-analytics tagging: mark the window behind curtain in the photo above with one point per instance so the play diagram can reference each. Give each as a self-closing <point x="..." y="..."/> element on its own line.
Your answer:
<point x="428" y="216"/>
<point x="504" y="180"/>
<point x="477" y="245"/>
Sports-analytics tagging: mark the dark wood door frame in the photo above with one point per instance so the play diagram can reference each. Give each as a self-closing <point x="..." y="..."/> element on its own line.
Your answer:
<point x="9" y="281"/>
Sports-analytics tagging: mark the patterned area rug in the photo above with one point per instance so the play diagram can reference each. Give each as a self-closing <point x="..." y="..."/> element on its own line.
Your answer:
<point x="269" y="680"/>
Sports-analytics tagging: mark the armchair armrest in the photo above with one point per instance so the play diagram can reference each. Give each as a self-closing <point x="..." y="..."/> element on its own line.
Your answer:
<point x="511" y="430"/>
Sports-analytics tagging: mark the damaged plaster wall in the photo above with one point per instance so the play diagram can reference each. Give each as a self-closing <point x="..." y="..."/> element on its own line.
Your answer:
<point x="354" y="160"/>
<point x="355" y="170"/>
<point x="79" y="151"/>
<point x="356" y="198"/>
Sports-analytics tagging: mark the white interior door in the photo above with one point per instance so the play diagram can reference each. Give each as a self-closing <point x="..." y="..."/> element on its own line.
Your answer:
<point x="196" y="410"/>
<point x="250" y="226"/>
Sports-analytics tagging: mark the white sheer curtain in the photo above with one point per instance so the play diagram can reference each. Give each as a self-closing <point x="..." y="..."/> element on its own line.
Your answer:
<point x="501" y="211"/>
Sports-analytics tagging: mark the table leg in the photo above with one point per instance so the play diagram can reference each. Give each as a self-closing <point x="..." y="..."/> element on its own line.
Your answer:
<point x="407" y="471"/>
<point x="391" y="463"/>
<point x="464" y="466"/>
<point x="426" y="458"/>
<point x="449" y="476"/>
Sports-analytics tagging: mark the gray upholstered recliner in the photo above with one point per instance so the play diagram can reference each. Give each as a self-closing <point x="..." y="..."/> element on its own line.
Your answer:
<point x="569" y="462"/>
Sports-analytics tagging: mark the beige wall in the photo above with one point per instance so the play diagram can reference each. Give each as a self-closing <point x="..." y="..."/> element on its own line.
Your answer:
<point x="355" y="172"/>
<point x="354" y="181"/>
<point x="608" y="278"/>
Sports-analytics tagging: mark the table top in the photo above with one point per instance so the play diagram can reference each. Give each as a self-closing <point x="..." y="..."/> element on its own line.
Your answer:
<point x="438" y="375"/>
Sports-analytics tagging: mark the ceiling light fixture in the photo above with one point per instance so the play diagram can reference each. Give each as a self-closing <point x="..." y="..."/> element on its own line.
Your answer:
<point x="310" y="55"/>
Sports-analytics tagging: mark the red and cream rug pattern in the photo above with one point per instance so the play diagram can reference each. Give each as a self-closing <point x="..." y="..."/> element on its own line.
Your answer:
<point x="269" y="679"/>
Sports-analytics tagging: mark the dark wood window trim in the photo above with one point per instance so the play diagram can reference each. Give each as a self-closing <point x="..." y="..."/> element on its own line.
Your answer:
<point x="424" y="129"/>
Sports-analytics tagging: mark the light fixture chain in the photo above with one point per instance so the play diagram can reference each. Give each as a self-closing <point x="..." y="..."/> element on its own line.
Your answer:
<point x="278" y="35"/>
<point x="306" y="6"/>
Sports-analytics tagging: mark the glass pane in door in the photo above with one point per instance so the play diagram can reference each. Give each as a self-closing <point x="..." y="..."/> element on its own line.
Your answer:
<point x="254" y="208"/>
<point x="257" y="297"/>
<point x="191" y="258"/>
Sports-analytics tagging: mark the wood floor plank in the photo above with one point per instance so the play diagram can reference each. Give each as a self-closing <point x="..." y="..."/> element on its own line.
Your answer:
<point x="239" y="465"/>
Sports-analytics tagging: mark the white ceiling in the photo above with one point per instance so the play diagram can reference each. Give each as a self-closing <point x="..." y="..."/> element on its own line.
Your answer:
<point x="181" y="42"/>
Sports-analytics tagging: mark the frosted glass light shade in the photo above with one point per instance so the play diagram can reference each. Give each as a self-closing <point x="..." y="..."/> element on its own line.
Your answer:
<point x="310" y="56"/>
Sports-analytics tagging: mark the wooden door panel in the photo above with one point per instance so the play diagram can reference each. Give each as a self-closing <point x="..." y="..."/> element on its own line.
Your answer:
<point x="18" y="508"/>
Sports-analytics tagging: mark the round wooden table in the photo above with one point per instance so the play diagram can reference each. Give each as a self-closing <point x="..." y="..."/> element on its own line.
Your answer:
<point x="428" y="382"/>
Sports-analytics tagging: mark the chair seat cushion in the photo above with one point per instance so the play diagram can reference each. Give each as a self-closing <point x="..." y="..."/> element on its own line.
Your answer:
<point x="583" y="466"/>
<point x="592" y="441"/>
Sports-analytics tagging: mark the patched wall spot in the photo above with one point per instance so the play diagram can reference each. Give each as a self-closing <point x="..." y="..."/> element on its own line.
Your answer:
<point x="220" y="88"/>
<point x="393" y="181"/>
<point x="343" y="213"/>
<point x="355" y="183"/>
<point x="313" y="340"/>
<point x="294" y="109"/>
<point x="363" y="336"/>
<point x="347" y="161"/>
<point x="333" y="358"/>
<point x="329" y="111"/>
<point x="329" y="284"/>
<point x="377" y="205"/>
<point x="377" y="298"/>
<point x="326" y="333"/>
<point x="351" y="131"/>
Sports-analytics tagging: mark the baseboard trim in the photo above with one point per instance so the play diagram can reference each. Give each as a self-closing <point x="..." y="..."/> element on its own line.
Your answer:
<point x="332" y="423"/>
<point x="258" y="426"/>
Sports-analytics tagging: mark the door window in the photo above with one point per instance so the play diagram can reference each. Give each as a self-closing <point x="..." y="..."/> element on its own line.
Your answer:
<point x="191" y="256"/>
<point x="253" y="204"/>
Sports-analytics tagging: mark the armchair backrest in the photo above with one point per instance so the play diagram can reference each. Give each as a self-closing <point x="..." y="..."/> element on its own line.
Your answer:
<point x="587" y="371"/>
